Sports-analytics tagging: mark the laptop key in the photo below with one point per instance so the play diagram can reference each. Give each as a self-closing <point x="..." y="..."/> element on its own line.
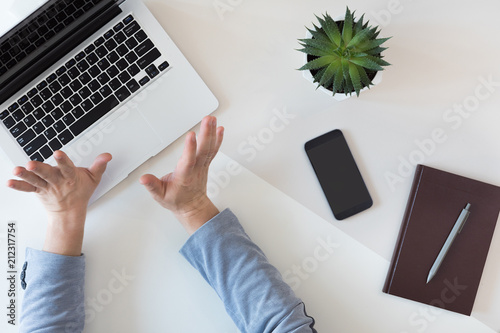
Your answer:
<point x="32" y="92"/>
<point x="77" y="112"/>
<point x="59" y="126"/>
<point x="113" y="57"/>
<point x="22" y="100"/>
<point x="122" y="50"/>
<point x="36" y="101"/>
<point x="29" y="120"/>
<point x="103" y="78"/>
<point x="45" y="151"/>
<point x="109" y="34"/>
<point x="27" y="108"/>
<point x="94" y="71"/>
<point x="152" y="71"/>
<point x="144" y="80"/>
<point x="92" y="58"/>
<point x="123" y="93"/>
<point x="131" y="57"/>
<point x="99" y="41"/>
<point x="85" y="78"/>
<point x="93" y="85"/>
<point x="13" y="107"/>
<point x="140" y="36"/>
<point x="38" y="113"/>
<point x="50" y="133"/>
<point x="164" y="65"/>
<point x="110" y="45"/>
<point x="36" y="157"/>
<point x="124" y="77"/>
<point x="128" y="19"/>
<point x="61" y="70"/>
<point x="68" y="119"/>
<point x="38" y="127"/>
<point x="91" y="117"/>
<point x="9" y="122"/>
<point x="96" y="98"/>
<point x="133" y="86"/>
<point x="47" y="120"/>
<point x="89" y="48"/>
<point x="55" y="144"/>
<point x="144" y="47"/>
<point x="118" y="27"/>
<point x="48" y="106"/>
<point x="73" y="73"/>
<point x="35" y="144"/>
<point x="133" y="70"/>
<point x="4" y="114"/>
<point x="66" y="107"/>
<point x="18" y="129"/>
<point x="26" y="137"/>
<point x="41" y="85"/>
<point x="105" y="91"/>
<point x="121" y="64"/>
<point x="45" y="93"/>
<point x="55" y="87"/>
<point x="76" y="85"/>
<point x="64" y="79"/>
<point x="132" y="28"/>
<point x="115" y="84"/>
<point x="120" y="38"/>
<point x="18" y="115"/>
<point x="101" y="51"/>
<point x="86" y="105"/>
<point x="51" y="78"/>
<point x="147" y="59"/>
<point x="65" y="137"/>
<point x="112" y="71"/>
<point x="57" y="99"/>
<point x="57" y="114"/>
<point x="103" y="64"/>
<point x="84" y="92"/>
<point x="66" y="92"/>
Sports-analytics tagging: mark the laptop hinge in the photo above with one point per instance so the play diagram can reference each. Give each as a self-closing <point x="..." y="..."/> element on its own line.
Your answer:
<point x="54" y="54"/>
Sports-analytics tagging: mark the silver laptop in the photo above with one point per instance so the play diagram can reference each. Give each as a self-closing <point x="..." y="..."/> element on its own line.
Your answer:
<point x="94" y="76"/>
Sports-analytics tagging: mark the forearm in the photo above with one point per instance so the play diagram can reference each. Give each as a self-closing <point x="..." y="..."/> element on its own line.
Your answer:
<point x="54" y="293"/>
<point x="253" y="292"/>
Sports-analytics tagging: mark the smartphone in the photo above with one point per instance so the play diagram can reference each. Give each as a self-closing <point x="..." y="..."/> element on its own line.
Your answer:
<point x="338" y="174"/>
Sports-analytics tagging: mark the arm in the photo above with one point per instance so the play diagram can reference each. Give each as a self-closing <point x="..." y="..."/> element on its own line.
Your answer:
<point x="252" y="290"/>
<point x="53" y="279"/>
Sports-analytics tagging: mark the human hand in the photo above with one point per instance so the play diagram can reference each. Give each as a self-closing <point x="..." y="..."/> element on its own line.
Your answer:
<point x="65" y="191"/>
<point x="184" y="191"/>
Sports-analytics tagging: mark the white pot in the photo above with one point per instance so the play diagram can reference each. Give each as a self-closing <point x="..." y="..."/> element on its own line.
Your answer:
<point x="339" y="97"/>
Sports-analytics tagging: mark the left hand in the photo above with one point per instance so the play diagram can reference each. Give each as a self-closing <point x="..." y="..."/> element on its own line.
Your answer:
<point x="65" y="191"/>
<point x="61" y="189"/>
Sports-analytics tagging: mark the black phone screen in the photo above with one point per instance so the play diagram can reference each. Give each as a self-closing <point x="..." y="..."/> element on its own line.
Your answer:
<point x="338" y="174"/>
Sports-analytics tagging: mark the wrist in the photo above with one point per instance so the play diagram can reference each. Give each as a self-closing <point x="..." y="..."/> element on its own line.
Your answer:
<point x="197" y="214"/>
<point x="65" y="232"/>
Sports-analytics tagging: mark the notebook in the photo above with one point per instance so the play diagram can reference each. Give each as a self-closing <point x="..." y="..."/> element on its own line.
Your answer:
<point x="94" y="76"/>
<point x="434" y="204"/>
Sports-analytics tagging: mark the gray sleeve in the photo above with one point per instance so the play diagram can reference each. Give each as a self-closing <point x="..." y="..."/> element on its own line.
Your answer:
<point x="54" y="293"/>
<point x="253" y="291"/>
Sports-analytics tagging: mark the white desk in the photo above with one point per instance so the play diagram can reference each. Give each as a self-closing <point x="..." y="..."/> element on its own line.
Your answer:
<point x="246" y="55"/>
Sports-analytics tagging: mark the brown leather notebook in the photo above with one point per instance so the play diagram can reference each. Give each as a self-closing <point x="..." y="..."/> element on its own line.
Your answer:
<point x="435" y="202"/>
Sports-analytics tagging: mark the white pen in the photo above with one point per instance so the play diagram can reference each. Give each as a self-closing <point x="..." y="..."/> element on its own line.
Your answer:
<point x="451" y="237"/>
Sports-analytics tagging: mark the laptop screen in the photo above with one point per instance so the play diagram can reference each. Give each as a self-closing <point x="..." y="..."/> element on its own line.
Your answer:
<point x="39" y="26"/>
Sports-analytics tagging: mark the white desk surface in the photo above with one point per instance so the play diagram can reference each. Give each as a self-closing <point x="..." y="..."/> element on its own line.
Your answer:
<point x="441" y="55"/>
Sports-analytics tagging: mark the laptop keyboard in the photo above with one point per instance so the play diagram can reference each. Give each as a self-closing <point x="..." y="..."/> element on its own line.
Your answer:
<point x="78" y="94"/>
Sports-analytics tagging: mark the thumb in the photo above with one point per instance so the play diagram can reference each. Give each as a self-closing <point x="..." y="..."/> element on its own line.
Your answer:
<point x="152" y="184"/>
<point x="100" y="163"/>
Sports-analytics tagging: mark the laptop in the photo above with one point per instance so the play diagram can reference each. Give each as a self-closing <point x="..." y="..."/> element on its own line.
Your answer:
<point x="94" y="76"/>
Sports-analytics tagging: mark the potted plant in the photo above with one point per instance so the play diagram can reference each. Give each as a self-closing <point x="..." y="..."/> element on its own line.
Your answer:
<point x="344" y="55"/>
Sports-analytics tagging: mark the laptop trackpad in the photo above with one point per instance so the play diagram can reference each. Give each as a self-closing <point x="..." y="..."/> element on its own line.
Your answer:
<point x="125" y="135"/>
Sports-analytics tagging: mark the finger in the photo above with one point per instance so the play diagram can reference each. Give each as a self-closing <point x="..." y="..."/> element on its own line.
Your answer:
<point x="20" y="185"/>
<point x="188" y="158"/>
<point x="218" y="141"/>
<point x="46" y="172"/>
<point x="100" y="163"/>
<point x="29" y="177"/>
<point x="153" y="185"/>
<point x="66" y="166"/>
<point x="206" y="140"/>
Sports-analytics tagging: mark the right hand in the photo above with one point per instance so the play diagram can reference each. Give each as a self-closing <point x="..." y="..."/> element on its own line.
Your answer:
<point x="184" y="191"/>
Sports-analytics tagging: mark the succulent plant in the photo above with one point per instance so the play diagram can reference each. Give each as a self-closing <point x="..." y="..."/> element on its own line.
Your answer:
<point x="343" y="56"/>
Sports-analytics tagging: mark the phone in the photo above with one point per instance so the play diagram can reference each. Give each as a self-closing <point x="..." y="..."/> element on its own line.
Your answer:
<point x="338" y="174"/>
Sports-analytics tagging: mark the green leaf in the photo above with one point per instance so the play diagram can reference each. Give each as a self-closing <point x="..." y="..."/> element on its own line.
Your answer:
<point x="366" y="63"/>
<point x="332" y="30"/>
<point x="319" y="74"/>
<point x="364" y="77"/>
<point x="376" y="51"/>
<point x="347" y="29"/>
<point x="359" y="25"/>
<point x="361" y="37"/>
<point x="378" y="60"/>
<point x="339" y="79"/>
<point x="355" y="78"/>
<point x="329" y="73"/>
<point x="370" y="44"/>
<point x="319" y="62"/>
<point x="319" y="44"/>
<point x="313" y="51"/>
<point x="319" y="34"/>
